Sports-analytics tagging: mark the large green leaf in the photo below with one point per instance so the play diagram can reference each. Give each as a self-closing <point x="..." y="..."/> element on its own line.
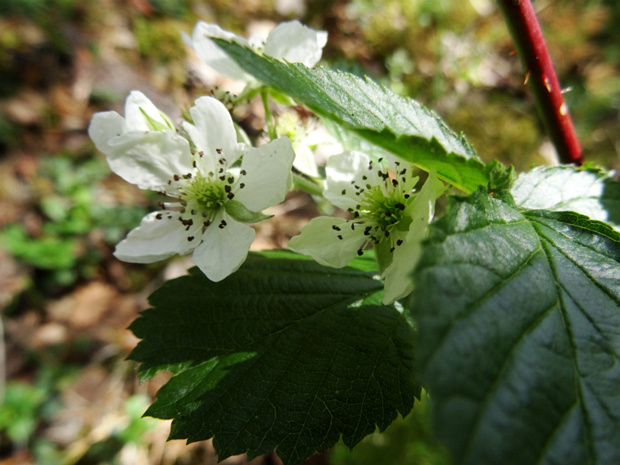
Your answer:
<point x="590" y="192"/>
<point x="399" y="125"/>
<point x="519" y="323"/>
<point x="282" y="354"/>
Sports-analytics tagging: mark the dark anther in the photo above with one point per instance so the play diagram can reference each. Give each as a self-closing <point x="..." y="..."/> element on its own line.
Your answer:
<point x="241" y="186"/>
<point x="339" y="236"/>
<point x="222" y="178"/>
<point x="335" y="228"/>
<point x="360" y="252"/>
<point x="243" y="172"/>
<point x="394" y="182"/>
<point x="201" y="153"/>
<point x="227" y="188"/>
<point x="219" y="151"/>
<point x="231" y="180"/>
<point x="230" y="196"/>
<point x="399" y="242"/>
<point x="159" y="216"/>
<point x="365" y="178"/>
<point x="161" y="205"/>
<point x="221" y="161"/>
<point x="176" y="177"/>
<point x="344" y="191"/>
<point x="190" y="238"/>
<point x="387" y="233"/>
<point x="194" y="163"/>
<point x="407" y="196"/>
<point x="388" y="213"/>
<point x="400" y="206"/>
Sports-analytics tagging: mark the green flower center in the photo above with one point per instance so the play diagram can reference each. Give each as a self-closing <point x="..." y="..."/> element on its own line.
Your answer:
<point x="385" y="211"/>
<point x="207" y="193"/>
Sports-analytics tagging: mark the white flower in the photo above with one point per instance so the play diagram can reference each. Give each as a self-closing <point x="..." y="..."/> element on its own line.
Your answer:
<point x="211" y="195"/>
<point x="290" y="41"/>
<point x="386" y="213"/>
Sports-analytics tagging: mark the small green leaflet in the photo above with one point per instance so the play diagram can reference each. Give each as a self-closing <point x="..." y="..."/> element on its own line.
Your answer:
<point x="284" y="354"/>
<point x="401" y="126"/>
<point x="590" y="192"/>
<point x="519" y="323"/>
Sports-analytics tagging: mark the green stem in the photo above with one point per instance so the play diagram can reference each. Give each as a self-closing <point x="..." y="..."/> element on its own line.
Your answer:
<point x="530" y="44"/>
<point x="305" y="184"/>
<point x="269" y="119"/>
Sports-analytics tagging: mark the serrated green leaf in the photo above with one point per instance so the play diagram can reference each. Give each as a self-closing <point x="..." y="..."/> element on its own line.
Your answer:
<point x="590" y="192"/>
<point x="399" y="125"/>
<point x="284" y="354"/>
<point x="519" y="322"/>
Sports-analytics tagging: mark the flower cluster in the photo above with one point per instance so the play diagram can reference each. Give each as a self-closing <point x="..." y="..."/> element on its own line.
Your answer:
<point x="386" y="213"/>
<point x="210" y="195"/>
<point x="214" y="184"/>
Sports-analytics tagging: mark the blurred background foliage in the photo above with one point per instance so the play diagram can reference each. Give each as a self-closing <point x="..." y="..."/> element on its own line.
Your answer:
<point x="68" y="395"/>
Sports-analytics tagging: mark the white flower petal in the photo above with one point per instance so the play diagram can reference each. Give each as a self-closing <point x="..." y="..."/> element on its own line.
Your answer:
<point x="156" y="239"/>
<point x="304" y="161"/>
<point x="150" y="159"/>
<point x="223" y="250"/>
<point x="398" y="282"/>
<point x="345" y="171"/>
<point x="319" y="240"/>
<point x="397" y="276"/>
<point x="212" y="55"/>
<point x="134" y="118"/>
<point x="213" y="133"/>
<point x="267" y="172"/>
<point x="103" y="127"/>
<point x="296" y="43"/>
